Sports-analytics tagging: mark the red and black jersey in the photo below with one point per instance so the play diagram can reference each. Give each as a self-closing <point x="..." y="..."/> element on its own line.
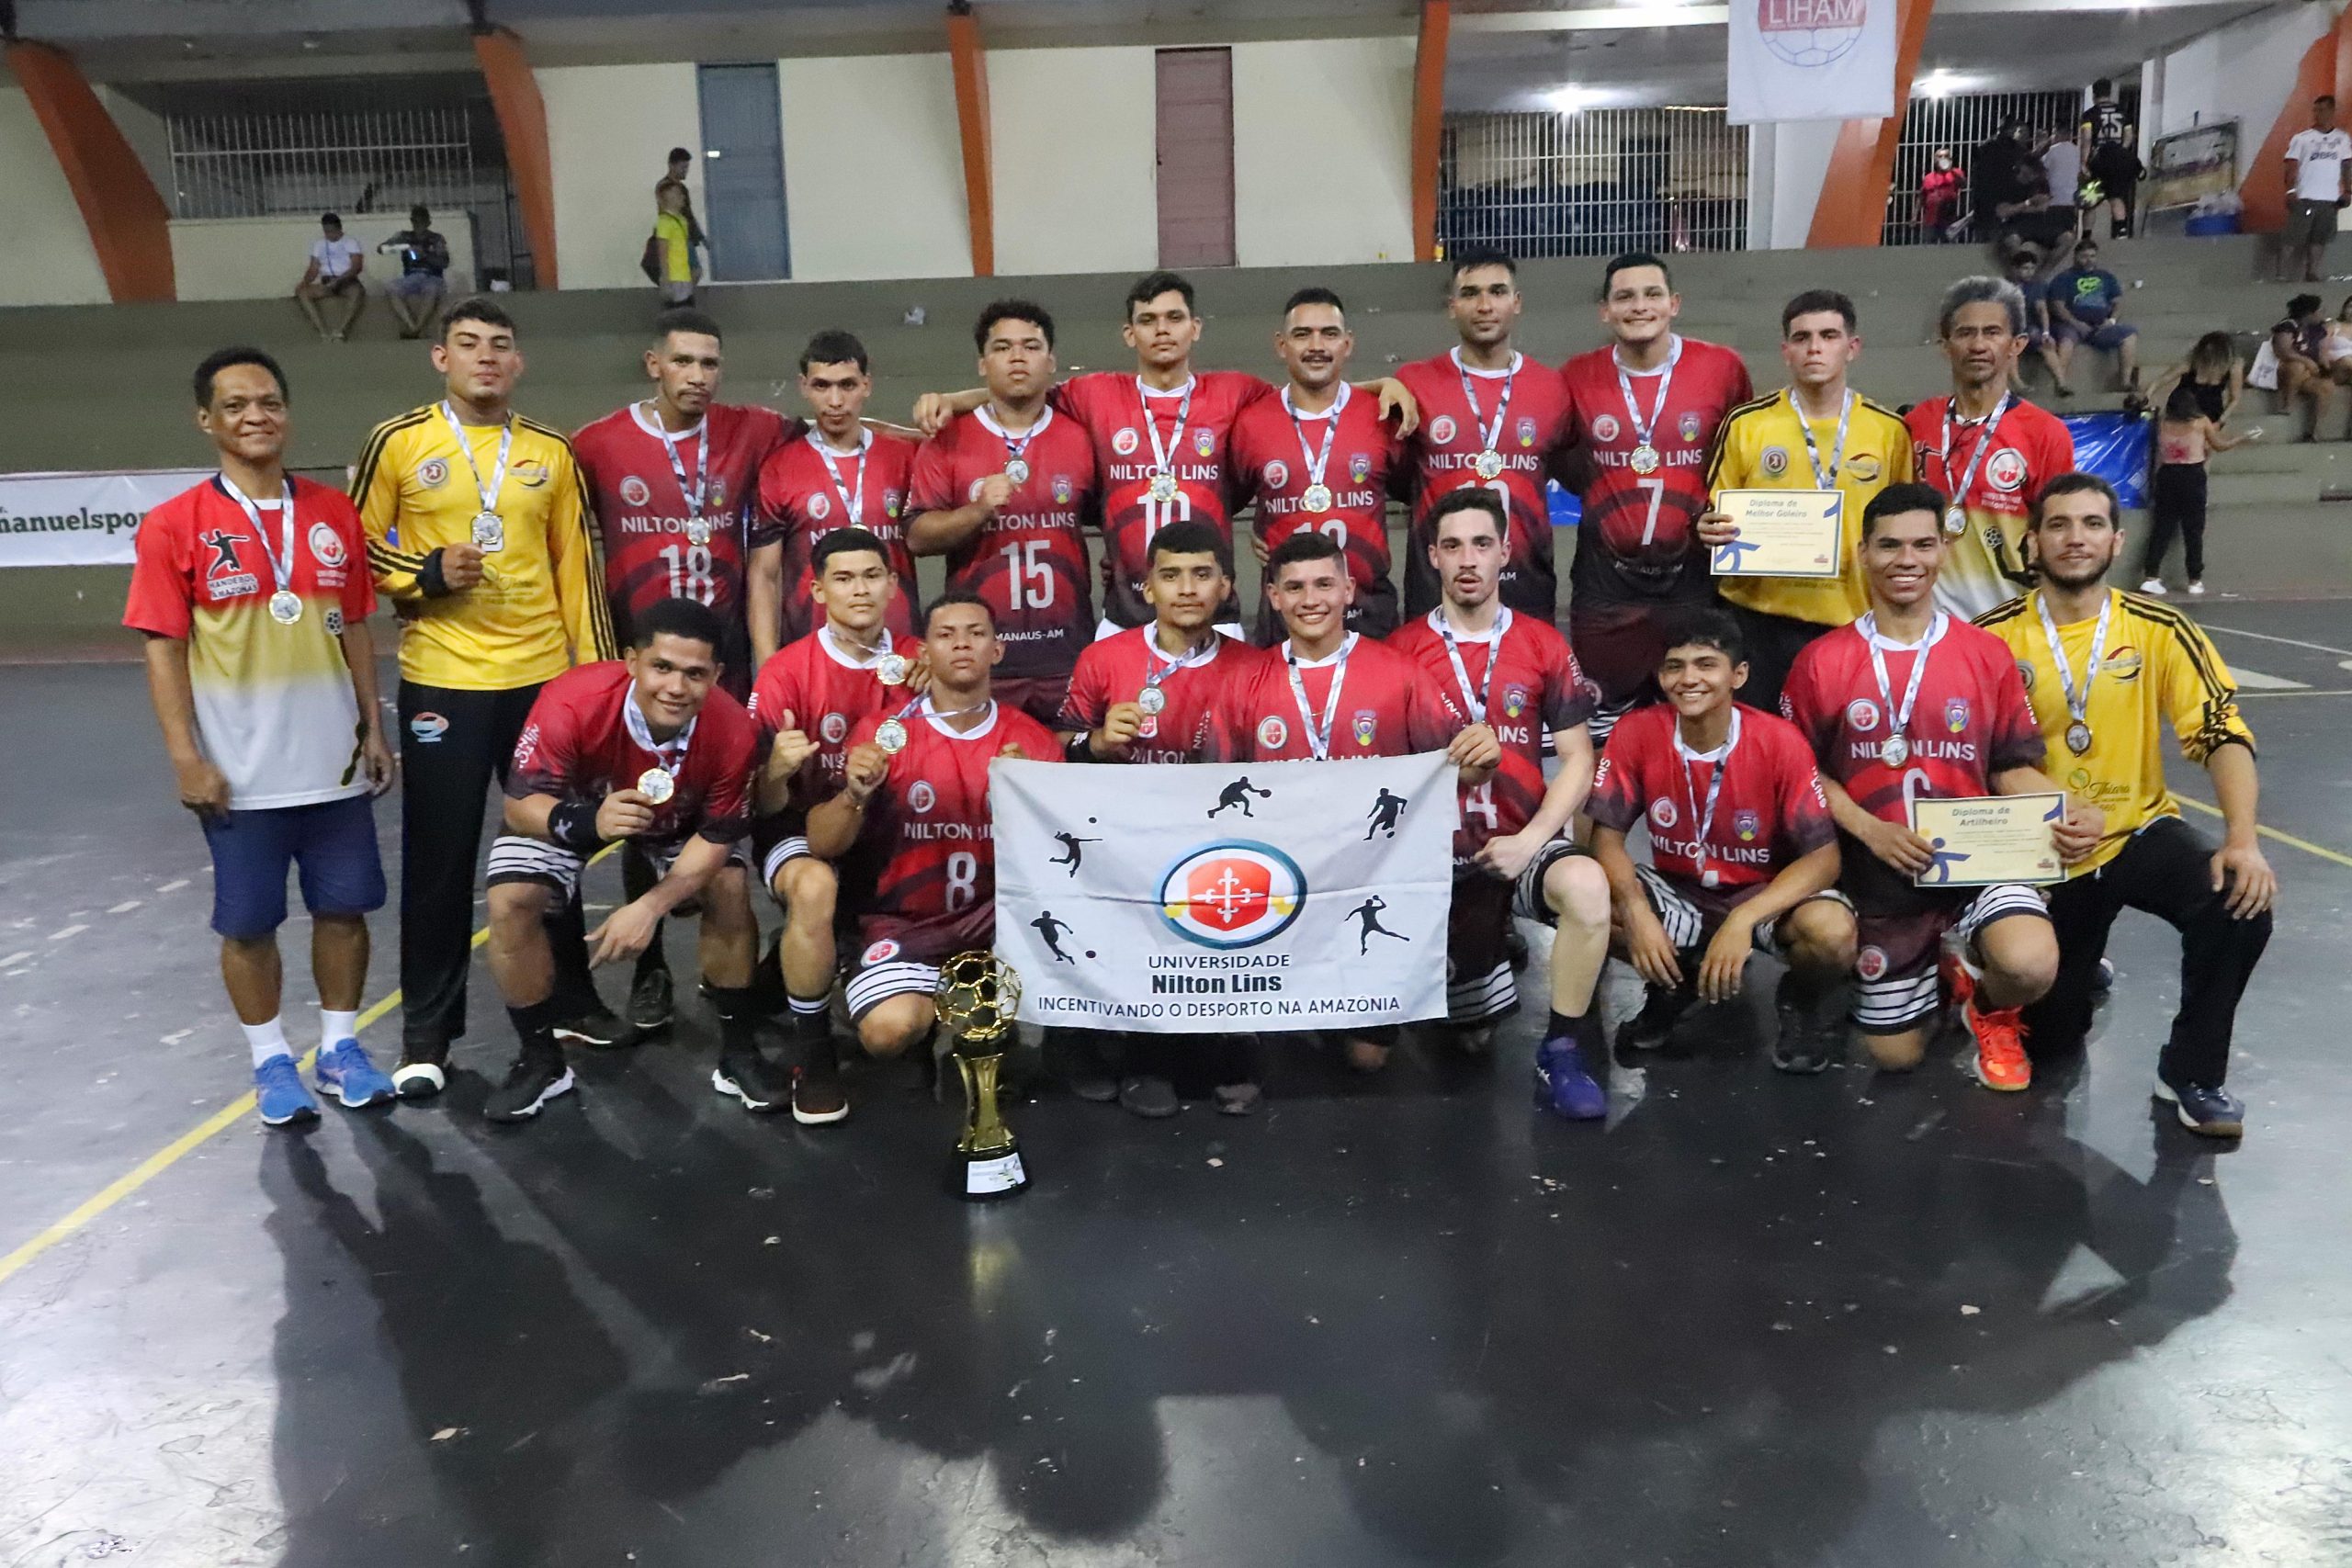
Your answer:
<point x="1274" y="450"/>
<point x="825" y="687"/>
<point x="577" y="745"/>
<point x="1117" y="669"/>
<point x="1506" y="802"/>
<point x="928" y="842"/>
<point x="1530" y="683"/>
<point x="1028" y="562"/>
<point x="650" y="551"/>
<point x="1387" y="706"/>
<point x="1971" y="720"/>
<point x="1193" y="422"/>
<point x="1638" y="539"/>
<point x="1769" y="813"/>
<point x="801" y="502"/>
<point x="1532" y="403"/>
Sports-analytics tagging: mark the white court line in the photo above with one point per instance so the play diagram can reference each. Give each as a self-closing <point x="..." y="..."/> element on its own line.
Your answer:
<point x="69" y="930"/>
<point x="2266" y="636"/>
<point x="2255" y="680"/>
<point x="16" y="958"/>
<point x="173" y="886"/>
<point x="126" y="907"/>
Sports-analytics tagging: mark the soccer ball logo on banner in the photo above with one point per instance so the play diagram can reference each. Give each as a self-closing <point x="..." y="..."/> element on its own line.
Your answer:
<point x="1810" y="32"/>
<point x="1235" y="893"/>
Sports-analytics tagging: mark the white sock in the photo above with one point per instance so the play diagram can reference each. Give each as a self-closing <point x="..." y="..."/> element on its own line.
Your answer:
<point x="807" y="1006"/>
<point x="335" y="1028"/>
<point x="267" y="1040"/>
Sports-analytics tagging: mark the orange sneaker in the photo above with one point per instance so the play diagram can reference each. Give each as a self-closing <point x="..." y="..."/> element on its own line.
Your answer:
<point x="2001" y="1061"/>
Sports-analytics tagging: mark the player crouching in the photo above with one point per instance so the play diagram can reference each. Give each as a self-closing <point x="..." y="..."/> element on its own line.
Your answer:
<point x="643" y="748"/>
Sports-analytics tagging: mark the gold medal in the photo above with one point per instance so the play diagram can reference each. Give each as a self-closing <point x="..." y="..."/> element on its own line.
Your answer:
<point x="891" y="736"/>
<point x="891" y="669"/>
<point x="1163" y="485"/>
<point x="1488" y="465"/>
<point x="1317" y="499"/>
<point x="1645" y="459"/>
<point x="698" y="533"/>
<point x="656" y="784"/>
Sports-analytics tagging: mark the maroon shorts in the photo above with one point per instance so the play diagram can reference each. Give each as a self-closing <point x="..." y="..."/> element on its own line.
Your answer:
<point x="1039" y="696"/>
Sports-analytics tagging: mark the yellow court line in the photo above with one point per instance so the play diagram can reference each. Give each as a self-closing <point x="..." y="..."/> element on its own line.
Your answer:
<point x="2289" y="839"/>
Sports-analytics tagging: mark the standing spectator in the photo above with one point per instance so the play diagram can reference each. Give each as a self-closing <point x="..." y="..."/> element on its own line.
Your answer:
<point x="2176" y="497"/>
<point x="415" y="294"/>
<point x="2288" y="363"/>
<point x="2062" y="166"/>
<point x="334" y="273"/>
<point x="670" y="257"/>
<point x="2319" y="182"/>
<point x="1939" y="198"/>
<point x="2083" y="301"/>
<point x="2028" y="216"/>
<point x="1992" y="179"/>
<point x="2024" y="270"/>
<point x="680" y="160"/>
<point x="2214" y="372"/>
<point x="2110" y="145"/>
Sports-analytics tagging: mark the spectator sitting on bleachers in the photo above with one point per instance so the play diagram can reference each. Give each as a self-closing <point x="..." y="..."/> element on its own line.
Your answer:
<point x="2288" y="363"/>
<point x="415" y="294"/>
<point x="2022" y="268"/>
<point x="334" y="273"/>
<point x="2082" y="303"/>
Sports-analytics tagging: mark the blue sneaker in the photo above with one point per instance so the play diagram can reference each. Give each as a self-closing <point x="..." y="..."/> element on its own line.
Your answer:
<point x="2205" y="1109"/>
<point x="1564" y="1085"/>
<point x="347" y="1074"/>
<point x="277" y="1086"/>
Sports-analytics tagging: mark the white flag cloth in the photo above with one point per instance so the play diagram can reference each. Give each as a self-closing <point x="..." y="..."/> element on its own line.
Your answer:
<point x="1209" y="897"/>
<point x="1809" y="60"/>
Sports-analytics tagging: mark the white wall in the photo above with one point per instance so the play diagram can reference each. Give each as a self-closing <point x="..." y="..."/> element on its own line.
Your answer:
<point x="144" y="130"/>
<point x="1322" y="151"/>
<point x="2242" y="72"/>
<point x="609" y="128"/>
<point x="262" y="258"/>
<point x="873" y="167"/>
<point x="46" y="257"/>
<point x="1788" y="164"/>
<point x="1071" y="140"/>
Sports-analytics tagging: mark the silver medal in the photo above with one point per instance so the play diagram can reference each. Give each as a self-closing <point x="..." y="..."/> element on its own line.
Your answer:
<point x="1895" y="753"/>
<point x="1489" y="465"/>
<point x="1017" y="471"/>
<point x="2078" y="737"/>
<point x="285" y="608"/>
<point x="1152" y="700"/>
<point x="891" y="669"/>
<point x="1317" y="499"/>
<point x="1956" y="521"/>
<point x="891" y="736"/>
<point x="698" y="533"/>
<point x="1163" y="485"/>
<point x="656" y="784"/>
<point x="1644" y="460"/>
<point x="490" y="532"/>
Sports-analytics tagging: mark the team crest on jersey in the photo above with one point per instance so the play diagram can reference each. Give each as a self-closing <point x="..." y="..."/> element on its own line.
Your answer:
<point x="1870" y="965"/>
<point x="531" y="475"/>
<point x="1441" y="429"/>
<point x="326" y="546"/>
<point x="428" y="728"/>
<point x="1273" y="733"/>
<point x="1662" y="813"/>
<point x="1514" y="702"/>
<point x="717" y="500"/>
<point x="1956" y="715"/>
<point x="1124" y="441"/>
<point x="1277" y="475"/>
<point x="2005" y="470"/>
<point x="820" y="505"/>
<point x="432" y="473"/>
<point x="1063" y="490"/>
<point x="1776" y="461"/>
<point x="1689" y="428"/>
<point x="1359" y="469"/>
<point x="2123" y="664"/>
<point x="922" y="798"/>
<point x="893" y="502"/>
<point x="1367" y="723"/>
<point x="1204" y="442"/>
<point x="1864" y="466"/>
<point x="1861" y="716"/>
<point x="1747" y="824"/>
<point x="635" y="490"/>
<point x="1605" y="427"/>
<point x="833" y="726"/>
<point x="879" y="953"/>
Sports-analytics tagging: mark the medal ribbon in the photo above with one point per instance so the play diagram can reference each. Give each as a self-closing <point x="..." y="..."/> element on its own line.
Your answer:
<point x="1491" y="435"/>
<point x="1014" y="451"/>
<point x="1318" y="741"/>
<point x="870" y="657"/>
<point x="853" y="503"/>
<point x="1990" y="427"/>
<point x="1151" y="425"/>
<point x="1317" y="461"/>
<point x="1478" y="699"/>
<point x="2078" y="698"/>
<point x="1813" y="448"/>
<point x="281" y="560"/>
<point x="1899" y="720"/>
<point x="670" y="756"/>
<point x="1705" y="826"/>
<point x="489" y="491"/>
<point x="1642" y="427"/>
<point x="693" y="496"/>
<point x="1164" y="667"/>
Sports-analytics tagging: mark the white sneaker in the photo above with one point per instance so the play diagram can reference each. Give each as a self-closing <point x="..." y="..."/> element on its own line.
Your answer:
<point x="2197" y="586"/>
<point x="2155" y="587"/>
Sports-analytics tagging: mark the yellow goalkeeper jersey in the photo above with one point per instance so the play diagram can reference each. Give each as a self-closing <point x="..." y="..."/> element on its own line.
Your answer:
<point x="1762" y="448"/>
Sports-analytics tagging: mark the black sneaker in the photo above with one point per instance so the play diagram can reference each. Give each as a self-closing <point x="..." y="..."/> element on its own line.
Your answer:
<point x="649" y="1001"/>
<point x="1653" y="1027"/>
<point x="601" y="1027"/>
<point x="748" y="1077"/>
<point x="1515" y="949"/>
<point x="2205" y="1109"/>
<point x="423" y="1069"/>
<point x="1150" y="1098"/>
<point x="817" y="1099"/>
<point x="1810" y="1039"/>
<point x="535" y="1077"/>
<point x="1074" y="1056"/>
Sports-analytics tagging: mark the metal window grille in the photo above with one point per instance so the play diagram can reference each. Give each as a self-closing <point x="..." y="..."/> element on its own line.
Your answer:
<point x="1593" y="183"/>
<point x="1963" y="122"/>
<point x="251" y="165"/>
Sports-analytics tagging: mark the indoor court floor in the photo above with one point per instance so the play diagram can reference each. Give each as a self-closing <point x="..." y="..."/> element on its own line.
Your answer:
<point x="1756" y="1321"/>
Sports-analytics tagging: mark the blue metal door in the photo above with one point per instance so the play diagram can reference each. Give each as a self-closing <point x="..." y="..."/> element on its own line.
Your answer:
<point x="742" y="171"/>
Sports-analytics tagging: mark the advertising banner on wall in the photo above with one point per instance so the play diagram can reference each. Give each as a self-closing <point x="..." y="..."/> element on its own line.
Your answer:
<point x="82" y="519"/>
<point x="1810" y="60"/>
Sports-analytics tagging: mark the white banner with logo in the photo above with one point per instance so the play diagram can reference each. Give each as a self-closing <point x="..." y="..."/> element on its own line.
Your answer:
<point x="1810" y="60"/>
<point x="82" y="519"/>
<point x="1202" y="897"/>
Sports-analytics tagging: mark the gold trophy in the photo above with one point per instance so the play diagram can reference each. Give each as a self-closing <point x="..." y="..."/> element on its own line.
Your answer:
<point x="978" y="994"/>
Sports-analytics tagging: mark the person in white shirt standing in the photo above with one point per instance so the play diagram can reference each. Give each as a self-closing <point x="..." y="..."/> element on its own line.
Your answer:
<point x="2319" y="182"/>
<point x="2062" y="166"/>
<point x="334" y="273"/>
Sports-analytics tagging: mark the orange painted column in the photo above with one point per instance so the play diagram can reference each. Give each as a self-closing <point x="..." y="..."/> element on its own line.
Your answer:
<point x="130" y="226"/>
<point x="971" y="63"/>
<point x="2326" y="67"/>
<point x="523" y="121"/>
<point x="1852" y="209"/>
<point x="1428" y="121"/>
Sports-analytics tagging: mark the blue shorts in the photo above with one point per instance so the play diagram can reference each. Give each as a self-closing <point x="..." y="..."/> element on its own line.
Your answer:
<point x="332" y="843"/>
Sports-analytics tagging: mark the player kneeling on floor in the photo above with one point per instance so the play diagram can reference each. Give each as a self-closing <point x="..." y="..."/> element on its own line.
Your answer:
<point x="1744" y="855"/>
<point x="643" y="748"/>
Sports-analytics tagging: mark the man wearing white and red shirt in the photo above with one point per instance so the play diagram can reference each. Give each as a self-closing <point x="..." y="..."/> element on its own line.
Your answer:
<point x="1489" y="415"/>
<point x="645" y="748"/>
<point x="254" y="594"/>
<point x="1515" y="674"/>
<point x="1319" y="455"/>
<point x="1986" y="450"/>
<point x="807" y="700"/>
<point x="914" y="807"/>
<point x="1905" y="704"/>
<point x="1644" y="413"/>
<point x="1328" y="694"/>
<point x="844" y="475"/>
<point x="1004" y="491"/>
<point x="1744" y="858"/>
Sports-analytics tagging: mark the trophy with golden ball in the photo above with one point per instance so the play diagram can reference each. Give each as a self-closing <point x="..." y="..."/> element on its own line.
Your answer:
<point x="977" y="995"/>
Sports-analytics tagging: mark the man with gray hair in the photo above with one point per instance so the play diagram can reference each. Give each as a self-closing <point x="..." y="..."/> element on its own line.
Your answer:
<point x="1985" y="449"/>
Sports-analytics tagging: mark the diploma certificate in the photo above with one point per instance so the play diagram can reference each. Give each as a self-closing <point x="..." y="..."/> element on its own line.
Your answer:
<point x="1783" y="532"/>
<point x="1983" y="840"/>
